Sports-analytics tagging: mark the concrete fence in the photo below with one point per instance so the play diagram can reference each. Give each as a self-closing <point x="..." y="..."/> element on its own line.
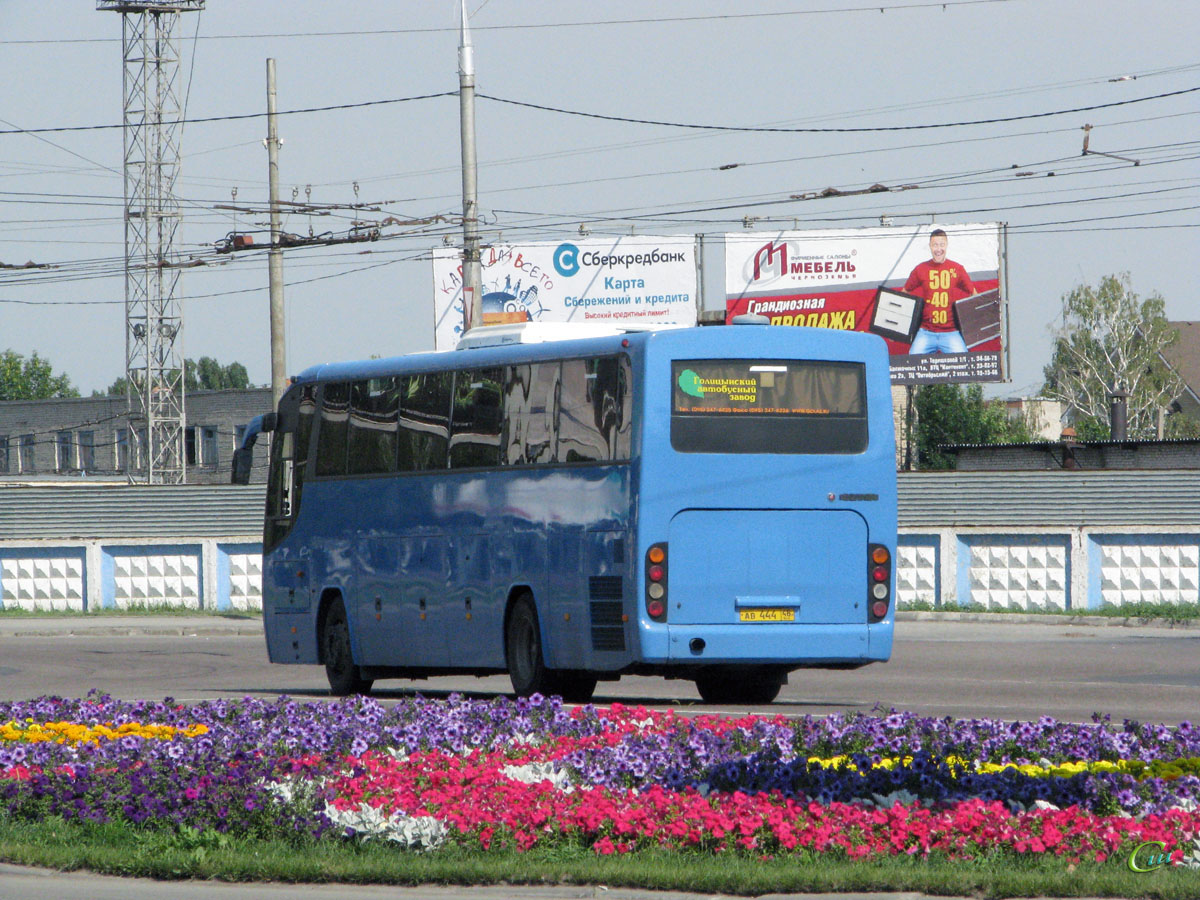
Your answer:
<point x="1055" y="541"/>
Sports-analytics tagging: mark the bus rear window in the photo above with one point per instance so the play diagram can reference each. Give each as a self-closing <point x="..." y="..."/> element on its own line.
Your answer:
<point x="768" y="406"/>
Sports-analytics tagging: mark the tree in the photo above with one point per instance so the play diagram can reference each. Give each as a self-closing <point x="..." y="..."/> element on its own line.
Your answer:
<point x="31" y="379"/>
<point x="205" y="375"/>
<point x="1109" y="340"/>
<point x="949" y="414"/>
<point x="210" y="375"/>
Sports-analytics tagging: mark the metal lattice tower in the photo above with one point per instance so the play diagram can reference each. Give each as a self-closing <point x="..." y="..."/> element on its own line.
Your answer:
<point x="153" y="319"/>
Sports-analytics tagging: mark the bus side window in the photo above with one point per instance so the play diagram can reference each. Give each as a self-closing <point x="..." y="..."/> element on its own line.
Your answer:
<point x="579" y="437"/>
<point x="530" y="397"/>
<point x="331" y="434"/>
<point x="424" y="421"/>
<point x="625" y="400"/>
<point x="612" y="404"/>
<point x="374" y="406"/>
<point x="475" y="426"/>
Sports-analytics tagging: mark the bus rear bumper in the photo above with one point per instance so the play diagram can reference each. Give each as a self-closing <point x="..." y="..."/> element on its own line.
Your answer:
<point x="775" y="643"/>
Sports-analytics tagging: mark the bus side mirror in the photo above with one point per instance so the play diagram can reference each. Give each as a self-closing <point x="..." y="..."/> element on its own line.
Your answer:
<point x="243" y="458"/>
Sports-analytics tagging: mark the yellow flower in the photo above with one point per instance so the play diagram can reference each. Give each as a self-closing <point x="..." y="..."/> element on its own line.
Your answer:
<point x="73" y="733"/>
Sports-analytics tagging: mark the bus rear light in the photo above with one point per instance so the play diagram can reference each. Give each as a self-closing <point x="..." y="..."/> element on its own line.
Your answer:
<point x="879" y="578"/>
<point x="656" y="582"/>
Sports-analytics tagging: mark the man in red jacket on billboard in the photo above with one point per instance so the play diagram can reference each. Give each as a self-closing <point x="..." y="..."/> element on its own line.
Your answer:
<point x="940" y="281"/>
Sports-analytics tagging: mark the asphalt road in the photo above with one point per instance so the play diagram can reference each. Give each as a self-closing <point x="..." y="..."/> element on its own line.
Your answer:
<point x="961" y="668"/>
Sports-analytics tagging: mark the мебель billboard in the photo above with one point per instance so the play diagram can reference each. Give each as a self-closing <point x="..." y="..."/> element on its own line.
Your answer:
<point x="933" y="292"/>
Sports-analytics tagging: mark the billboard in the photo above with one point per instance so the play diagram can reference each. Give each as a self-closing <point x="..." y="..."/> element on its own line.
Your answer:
<point x="933" y="292"/>
<point x="641" y="279"/>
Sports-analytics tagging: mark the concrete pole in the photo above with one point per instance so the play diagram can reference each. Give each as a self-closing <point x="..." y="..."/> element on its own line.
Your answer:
<point x="472" y="273"/>
<point x="275" y="254"/>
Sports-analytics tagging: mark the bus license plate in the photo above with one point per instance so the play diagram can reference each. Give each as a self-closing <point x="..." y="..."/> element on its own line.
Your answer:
<point x="767" y="615"/>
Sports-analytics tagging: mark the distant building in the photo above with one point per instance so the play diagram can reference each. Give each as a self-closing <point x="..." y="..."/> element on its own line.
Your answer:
<point x="1184" y="357"/>
<point x="1068" y="453"/>
<point x="88" y="437"/>
<point x="1044" y="417"/>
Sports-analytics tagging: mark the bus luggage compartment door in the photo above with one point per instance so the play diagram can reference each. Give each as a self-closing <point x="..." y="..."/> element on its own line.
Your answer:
<point x="732" y="566"/>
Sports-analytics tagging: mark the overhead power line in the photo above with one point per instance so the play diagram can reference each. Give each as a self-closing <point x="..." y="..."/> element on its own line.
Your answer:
<point x="766" y="129"/>
<point x="233" y="118"/>
<point x="532" y="26"/>
<point x="863" y="129"/>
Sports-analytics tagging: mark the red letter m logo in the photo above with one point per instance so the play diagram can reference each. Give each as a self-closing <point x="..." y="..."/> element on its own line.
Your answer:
<point x="768" y="255"/>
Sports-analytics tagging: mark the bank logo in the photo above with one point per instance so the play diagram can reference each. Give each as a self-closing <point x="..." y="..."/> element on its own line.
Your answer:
<point x="566" y="260"/>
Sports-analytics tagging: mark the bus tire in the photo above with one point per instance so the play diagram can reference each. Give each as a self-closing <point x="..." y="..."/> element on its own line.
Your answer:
<point x="722" y="687"/>
<point x="576" y="687"/>
<point x="344" y="676"/>
<point x="523" y="650"/>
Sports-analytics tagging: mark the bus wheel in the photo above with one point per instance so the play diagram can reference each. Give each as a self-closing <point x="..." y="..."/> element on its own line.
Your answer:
<point x="344" y="676"/>
<point x="575" y="687"/>
<point x="750" y="688"/>
<point x="523" y="650"/>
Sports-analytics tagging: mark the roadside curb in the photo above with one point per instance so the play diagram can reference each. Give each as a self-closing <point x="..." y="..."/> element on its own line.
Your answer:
<point x="104" y="627"/>
<point x="1043" y="619"/>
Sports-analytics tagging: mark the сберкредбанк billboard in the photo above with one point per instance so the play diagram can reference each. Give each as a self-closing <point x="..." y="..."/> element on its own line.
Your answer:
<point x="933" y="292"/>
<point x="637" y="279"/>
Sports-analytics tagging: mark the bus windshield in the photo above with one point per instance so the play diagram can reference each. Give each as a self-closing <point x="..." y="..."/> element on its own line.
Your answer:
<point x="768" y="406"/>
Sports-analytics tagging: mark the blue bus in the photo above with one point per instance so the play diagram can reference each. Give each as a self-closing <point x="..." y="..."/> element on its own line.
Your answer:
<point x="715" y="504"/>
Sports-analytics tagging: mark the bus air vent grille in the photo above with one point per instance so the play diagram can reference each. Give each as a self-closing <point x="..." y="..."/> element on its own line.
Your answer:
<point x="608" y="627"/>
<point x="605" y="587"/>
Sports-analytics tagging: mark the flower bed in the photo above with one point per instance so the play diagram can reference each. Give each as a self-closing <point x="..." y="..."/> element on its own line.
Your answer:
<point x="529" y="773"/>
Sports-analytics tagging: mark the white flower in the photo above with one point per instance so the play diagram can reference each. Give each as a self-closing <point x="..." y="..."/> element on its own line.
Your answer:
<point x="1192" y="860"/>
<point x="411" y="832"/>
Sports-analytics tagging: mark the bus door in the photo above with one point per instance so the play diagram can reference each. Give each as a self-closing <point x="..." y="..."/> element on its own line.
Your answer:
<point x="286" y="581"/>
<point x="475" y="614"/>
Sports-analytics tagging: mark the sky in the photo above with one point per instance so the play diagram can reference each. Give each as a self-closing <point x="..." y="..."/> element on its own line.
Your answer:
<point x="954" y="68"/>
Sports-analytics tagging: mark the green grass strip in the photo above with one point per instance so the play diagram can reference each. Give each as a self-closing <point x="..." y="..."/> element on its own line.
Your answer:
<point x="117" y="850"/>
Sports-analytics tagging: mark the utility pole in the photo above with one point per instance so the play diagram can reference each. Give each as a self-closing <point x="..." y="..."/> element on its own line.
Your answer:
<point x="154" y="374"/>
<point x="472" y="290"/>
<point x="275" y="254"/>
